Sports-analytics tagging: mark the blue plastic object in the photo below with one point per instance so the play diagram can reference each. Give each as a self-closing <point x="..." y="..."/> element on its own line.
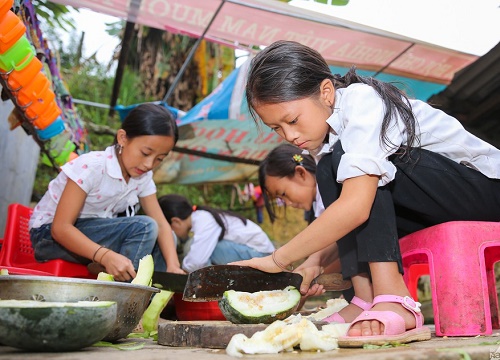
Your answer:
<point x="52" y="130"/>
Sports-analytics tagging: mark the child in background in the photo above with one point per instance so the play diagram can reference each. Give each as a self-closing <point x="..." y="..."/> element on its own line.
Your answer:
<point x="258" y="202"/>
<point x="76" y="220"/>
<point x="219" y="236"/>
<point x="289" y="175"/>
<point x="387" y="166"/>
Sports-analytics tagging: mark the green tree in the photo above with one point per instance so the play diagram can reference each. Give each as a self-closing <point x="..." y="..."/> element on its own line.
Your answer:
<point x="55" y="15"/>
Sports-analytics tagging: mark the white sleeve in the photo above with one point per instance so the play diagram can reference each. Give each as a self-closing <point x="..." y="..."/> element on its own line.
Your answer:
<point x="149" y="188"/>
<point x="364" y="152"/>
<point x="86" y="171"/>
<point x="206" y="233"/>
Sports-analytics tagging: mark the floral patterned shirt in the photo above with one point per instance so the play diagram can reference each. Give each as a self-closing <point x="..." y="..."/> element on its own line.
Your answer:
<point x="98" y="173"/>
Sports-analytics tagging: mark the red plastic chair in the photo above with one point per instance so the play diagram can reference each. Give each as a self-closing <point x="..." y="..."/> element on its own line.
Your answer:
<point x="21" y="271"/>
<point x="460" y="256"/>
<point x="412" y="274"/>
<point x="17" y="251"/>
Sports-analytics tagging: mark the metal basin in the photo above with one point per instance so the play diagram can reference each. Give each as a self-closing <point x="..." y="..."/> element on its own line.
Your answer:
<point x="132" y="300"/>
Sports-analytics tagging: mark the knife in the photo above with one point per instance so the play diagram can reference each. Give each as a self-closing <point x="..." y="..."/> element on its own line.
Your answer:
<point x="209" y="283"/>
<point x="169" y="281"/>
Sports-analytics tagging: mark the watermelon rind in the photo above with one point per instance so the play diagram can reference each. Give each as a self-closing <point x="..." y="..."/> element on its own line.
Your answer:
<point x="55" y="326"/>
<point x="262" y="307"/>
<point x="144" y="271"/>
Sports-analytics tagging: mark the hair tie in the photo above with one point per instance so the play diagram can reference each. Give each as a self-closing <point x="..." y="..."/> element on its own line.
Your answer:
<point x="194" y="207"/>
<point x="298" y="159"/>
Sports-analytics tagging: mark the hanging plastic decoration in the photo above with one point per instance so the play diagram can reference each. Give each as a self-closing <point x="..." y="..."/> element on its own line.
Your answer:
<point x="37" y="90"/>
<point x="22" y="72"/>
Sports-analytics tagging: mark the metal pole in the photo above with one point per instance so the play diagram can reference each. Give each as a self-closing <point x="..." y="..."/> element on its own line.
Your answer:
<point x="120" y="69"/>
<point x="134" y="7"/>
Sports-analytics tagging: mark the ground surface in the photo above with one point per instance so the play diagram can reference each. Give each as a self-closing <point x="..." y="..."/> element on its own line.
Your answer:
<point x="436" y="348"/>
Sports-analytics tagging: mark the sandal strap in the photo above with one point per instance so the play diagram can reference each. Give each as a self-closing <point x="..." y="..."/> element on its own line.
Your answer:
<point x="355" y="301"/>
<point x="361" y="303"/>
<point x="407" y="302"/>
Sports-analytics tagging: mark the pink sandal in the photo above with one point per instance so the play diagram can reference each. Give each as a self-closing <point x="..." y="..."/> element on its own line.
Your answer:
<point x="394" y="325"/>
<point x="355" y="301"/>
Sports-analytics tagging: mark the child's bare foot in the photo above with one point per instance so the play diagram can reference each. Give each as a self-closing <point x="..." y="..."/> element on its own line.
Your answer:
<point x="373" y="327"/>
<point x="351" y="311"/>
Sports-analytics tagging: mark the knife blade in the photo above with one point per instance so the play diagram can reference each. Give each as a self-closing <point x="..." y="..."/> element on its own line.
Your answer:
<point x="169" y="281"/>
<point x="209" y="283"/>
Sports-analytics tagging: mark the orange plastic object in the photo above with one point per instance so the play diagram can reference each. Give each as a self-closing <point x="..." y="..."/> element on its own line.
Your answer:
<point x="12" y="28"/>
<point x="21" y="78"/>
<point x="18" y="252"/>
<point x="17" y="56"/>
<point x="40" y="105"/>
<point x="5" y="6"/>
<point x="33" y="91"/>
<point x="48" y="116"/>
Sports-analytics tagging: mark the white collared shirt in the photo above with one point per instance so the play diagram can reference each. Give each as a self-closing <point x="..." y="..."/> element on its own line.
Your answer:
<point x="98" y="173"/>
<point x="206" y="233"/>
<point x="318" y="206"/>
<point x="357" y="121"/>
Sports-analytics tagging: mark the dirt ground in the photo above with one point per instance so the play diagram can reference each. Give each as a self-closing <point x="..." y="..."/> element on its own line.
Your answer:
<point x="437" y="348"/>
<point x="463" y="348"/>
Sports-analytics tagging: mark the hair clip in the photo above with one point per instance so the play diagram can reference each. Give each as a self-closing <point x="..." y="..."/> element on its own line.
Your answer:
<point x="194" y="207"/>
<point x="297" y="158"/>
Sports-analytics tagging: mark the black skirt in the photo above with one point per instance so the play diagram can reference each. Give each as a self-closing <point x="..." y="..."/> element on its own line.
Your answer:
<point x="428" y="189"/>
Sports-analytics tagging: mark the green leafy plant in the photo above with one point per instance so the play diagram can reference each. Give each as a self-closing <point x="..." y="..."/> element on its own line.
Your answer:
<point x="55" y="15"/>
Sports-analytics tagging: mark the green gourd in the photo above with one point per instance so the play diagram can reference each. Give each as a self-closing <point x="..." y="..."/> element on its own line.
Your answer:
<point x="259" y="307"/>
<point x="55" y="326"/>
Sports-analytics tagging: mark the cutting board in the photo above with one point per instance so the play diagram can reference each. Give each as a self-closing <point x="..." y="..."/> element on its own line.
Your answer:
<point x="205" y="334"/>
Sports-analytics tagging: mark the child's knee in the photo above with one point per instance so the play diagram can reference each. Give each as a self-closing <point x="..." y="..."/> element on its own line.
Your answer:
<point x="150" y="226"/>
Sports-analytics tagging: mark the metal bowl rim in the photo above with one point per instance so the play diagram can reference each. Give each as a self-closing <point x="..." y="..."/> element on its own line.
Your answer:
<point x="77" y="281"/>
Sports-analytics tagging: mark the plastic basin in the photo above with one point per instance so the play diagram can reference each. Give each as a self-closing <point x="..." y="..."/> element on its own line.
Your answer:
<point x="192" y="311"/>
<point x="12" y="29"/>
<point x="52" y="130"/>
<point x="48" y="116"/>
<point x="18" y="79"/>
<point x="33" y="91"/>
<point x="17" y="56"/>
<point x="5" y="6"/>
<point x="40" y="105"/>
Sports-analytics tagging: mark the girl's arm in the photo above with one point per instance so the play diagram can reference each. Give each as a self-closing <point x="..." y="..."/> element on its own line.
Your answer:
<point x="322" y="258"/>
<point x="349" y="211"/>
<point x="165" y="237"/>
<point x="65" y="233"/>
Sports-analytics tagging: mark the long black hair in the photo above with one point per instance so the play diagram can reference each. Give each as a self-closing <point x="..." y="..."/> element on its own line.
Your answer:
<point x="287" y="71"/>
<point x="174" y="205"/>
<point x="281" y="162"/>
<point x="150" y="119"/>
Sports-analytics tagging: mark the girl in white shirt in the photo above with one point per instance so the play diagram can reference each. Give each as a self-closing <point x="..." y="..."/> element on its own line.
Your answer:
<point x="387" y="166"/>
<point x="77" y="218"/>
<point x="219" y="236"/>
<point x="289" y="175"/>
